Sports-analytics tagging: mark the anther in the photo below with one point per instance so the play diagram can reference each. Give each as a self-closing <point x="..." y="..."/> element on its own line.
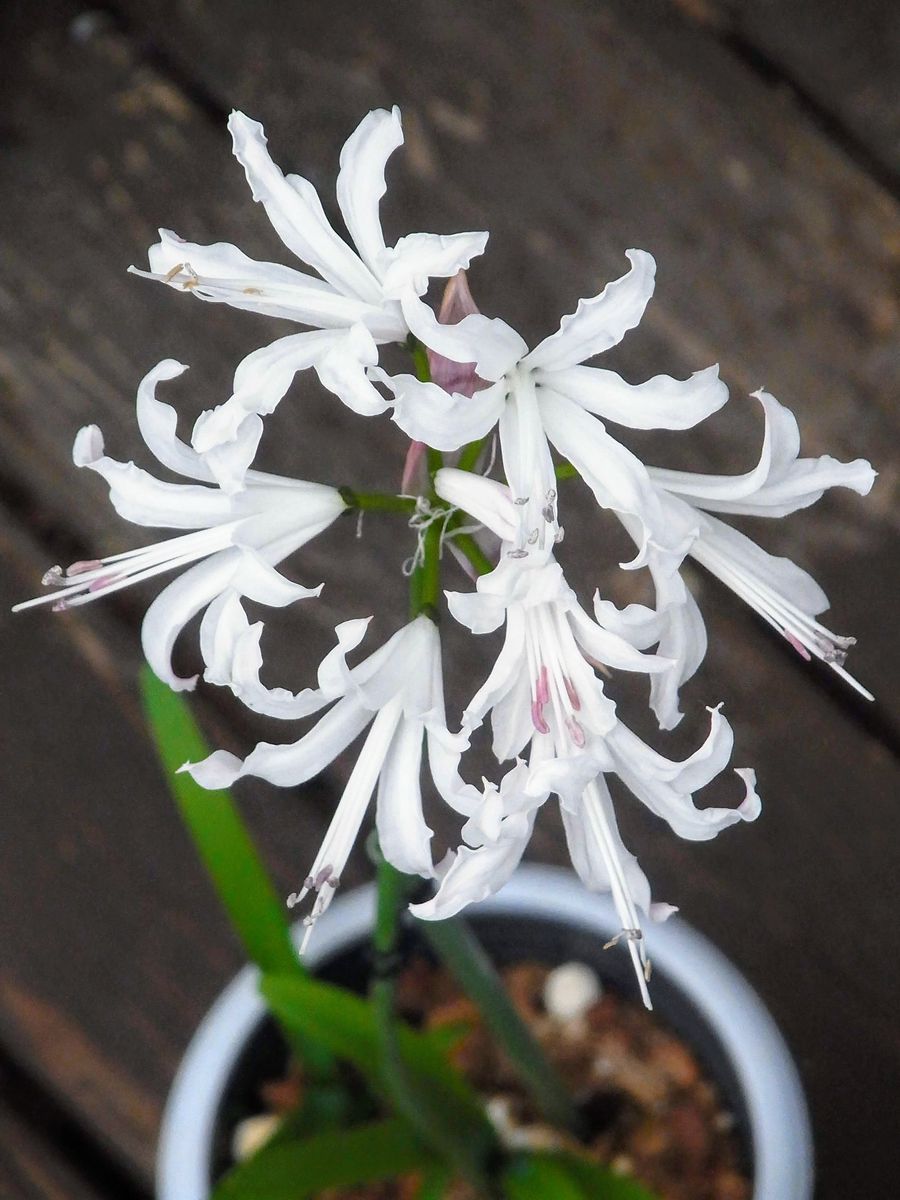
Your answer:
<point x="170" y="275"/>
<point x="630" y="935"/>
<point x="517" y="554"/>
<point x="54" y="577"/>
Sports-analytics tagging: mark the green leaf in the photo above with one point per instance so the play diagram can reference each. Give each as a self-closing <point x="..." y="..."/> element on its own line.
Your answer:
<point x="539" y="1177"/>
<point x="221" y="838"/>
<point x="226" y="850"/>
<point x="435" y="1183"/>
<point x="566" y="1176"/>
<point x="340" y="1158"/>
<point x="346" y="1024"/>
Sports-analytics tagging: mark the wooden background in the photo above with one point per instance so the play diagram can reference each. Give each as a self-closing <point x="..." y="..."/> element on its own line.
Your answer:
<point x="754" y="147"/>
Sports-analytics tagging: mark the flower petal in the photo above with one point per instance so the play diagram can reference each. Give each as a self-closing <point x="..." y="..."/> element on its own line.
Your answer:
<point x="403" y="835"/>
<point x="294" y="763"/>
<point x="426" y="413"/>
<point x="610" y="649"/>
<point x="222" y="274"/>
<point x="660" y="403"/>
<point x="181" y="600"/>
<point x="601" y="322"/>
<point x="618" y="479"/>
<point x="484" y="499"/>
<point x="492" y="345"/>
<point x="360" y="182"/>
<point x="260" y="382"/>
<point x="419" y="257"/>
<point x="139" y="497"/>
<point x="158" y="423"/>
<point x="343" y="371"/>
<point x="296" y="213"/>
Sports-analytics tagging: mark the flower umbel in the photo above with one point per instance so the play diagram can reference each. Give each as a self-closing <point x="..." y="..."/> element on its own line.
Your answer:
<point x="553" y="693"/>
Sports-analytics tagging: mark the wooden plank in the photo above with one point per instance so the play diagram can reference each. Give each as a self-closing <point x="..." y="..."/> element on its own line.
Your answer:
<point x="842" y="60"/>
<point x="32" y="1170"/>
<point x="112" y="942"/>
<point x="774" y="247"/>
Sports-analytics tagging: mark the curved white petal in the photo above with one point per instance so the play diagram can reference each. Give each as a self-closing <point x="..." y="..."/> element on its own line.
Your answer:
<point x="618" y="479"/>
<point x="292" y="764"/>
<point x="479" y="612"/>
<point x="181" y="600"/>
<point x="260" y="382"/>
<point x="223" y="274"/>
<point x="426" y="413"/>
<point x="723" y="550"/>
<point x="591" y="860"/>
<point x="139" y="497"/>
<point x="158" y="423"/>
<point x="403" y="835"/>
<point x="484" y="499"/>
<point x="492" y="345"/>
<point x="781" y="445"/>
<point x="510" y="663"/>
<point x="420" y="257"/>
<point x="660" y="403"/>
<point x="296" y="213"/>
<point x="219" y="770"/>
<point x="342" y="369"/>
<point x="610" y="649"/>
<point x="601" y="322"/>
<point x="361" y="184"/>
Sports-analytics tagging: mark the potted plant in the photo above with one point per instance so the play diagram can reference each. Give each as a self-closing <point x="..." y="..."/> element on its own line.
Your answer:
<point x="388" y="1084"/>
<point x="541" y="912"/>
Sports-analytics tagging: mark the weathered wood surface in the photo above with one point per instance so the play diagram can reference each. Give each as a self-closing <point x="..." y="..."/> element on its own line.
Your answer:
<point x="777" y="256"/>
<point x="842" y="61"/>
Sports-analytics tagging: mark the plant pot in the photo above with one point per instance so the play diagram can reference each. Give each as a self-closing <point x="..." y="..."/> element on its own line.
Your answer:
<point x="544" y="913"/>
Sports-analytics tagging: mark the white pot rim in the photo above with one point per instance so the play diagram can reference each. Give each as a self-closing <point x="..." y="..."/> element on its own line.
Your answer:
<point x="777" y="1115"/>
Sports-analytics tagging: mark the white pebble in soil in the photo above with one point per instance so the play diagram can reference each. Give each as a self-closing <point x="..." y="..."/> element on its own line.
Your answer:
<point x="570" y="990"/>
<point x="252" y="1134"/>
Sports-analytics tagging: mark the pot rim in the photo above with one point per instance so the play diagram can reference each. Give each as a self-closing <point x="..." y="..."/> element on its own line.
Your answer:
<point x="777" y="1115"/>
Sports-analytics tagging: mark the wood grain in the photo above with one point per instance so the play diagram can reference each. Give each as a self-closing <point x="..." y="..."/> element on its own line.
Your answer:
<point x="571" y="132"/>
<point x="842" y="60"/>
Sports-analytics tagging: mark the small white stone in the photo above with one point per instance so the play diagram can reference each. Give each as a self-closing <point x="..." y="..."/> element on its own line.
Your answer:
<point x="252" y="1134"/>
<point x="570" y="990"/>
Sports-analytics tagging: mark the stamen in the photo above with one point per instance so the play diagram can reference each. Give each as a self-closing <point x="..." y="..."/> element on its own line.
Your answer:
<point x="576" y="732"/>
<point x="631" y="935"/>
<point x="542" y="691"/>
<point x="574" y="698"/>
<point x="170" y="275"/>
<point x="54" y="577"/>
<point x="537" y="718"/>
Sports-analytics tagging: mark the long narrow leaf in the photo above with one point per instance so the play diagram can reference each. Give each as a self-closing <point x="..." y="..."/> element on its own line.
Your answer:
<point x="345" y="1023"/>
<point x="219" y="834"/>
<point x="341" y="1158"/>
<point x="566" y="1176"/>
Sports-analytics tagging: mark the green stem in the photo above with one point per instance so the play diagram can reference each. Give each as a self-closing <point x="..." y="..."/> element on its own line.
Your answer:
<point x="429" y="1121"/>
<point x="480" y="562"/>
<point x="462" y="953"/>
<point x="470" y="454"/>
<point x="377" y="501"/>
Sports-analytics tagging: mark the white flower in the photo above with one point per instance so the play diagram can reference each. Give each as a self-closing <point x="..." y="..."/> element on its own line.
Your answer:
<point x="398" y="691"/>
<point x="238" y="540"/>
<point x="786" y="596"/>
<point x="352" y="308"/>
<point x="545" y="394"/>
<point x="543" y="694"/>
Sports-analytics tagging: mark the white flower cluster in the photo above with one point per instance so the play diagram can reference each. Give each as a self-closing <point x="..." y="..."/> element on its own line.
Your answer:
<point x="546" y="693"/>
